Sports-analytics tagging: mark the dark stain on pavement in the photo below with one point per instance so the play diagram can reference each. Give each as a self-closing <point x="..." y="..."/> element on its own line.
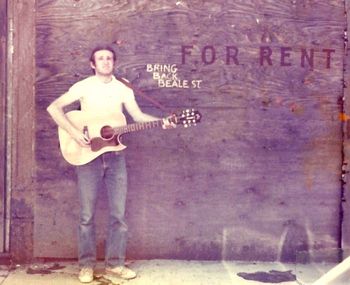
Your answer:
<point x="44" y="270"/>
<point x="273" y="276"/>
<point x="41" y="271"/>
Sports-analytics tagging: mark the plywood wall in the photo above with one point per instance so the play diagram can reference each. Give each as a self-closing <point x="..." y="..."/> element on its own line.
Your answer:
<point x="258" y="178"/>
<point x="20" y="120"/>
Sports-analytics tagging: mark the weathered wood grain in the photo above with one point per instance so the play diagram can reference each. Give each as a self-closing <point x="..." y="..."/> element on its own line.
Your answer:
<point x="346" y="145"/>
<point x="20" y="126"/>
<point x="3" y="53"/>
<point x="266" y="155"/>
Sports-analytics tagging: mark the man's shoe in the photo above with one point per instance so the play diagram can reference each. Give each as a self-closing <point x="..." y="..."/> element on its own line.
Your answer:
<point x="121" y="272"/>
<point x="86" y="275"/>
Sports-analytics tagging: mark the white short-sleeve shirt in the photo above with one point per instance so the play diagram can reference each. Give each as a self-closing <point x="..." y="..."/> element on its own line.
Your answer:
<point x="98" y="97"/>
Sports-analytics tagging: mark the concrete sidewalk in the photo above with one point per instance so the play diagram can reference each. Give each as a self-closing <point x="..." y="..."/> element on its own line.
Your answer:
<point x="173" y="272"/>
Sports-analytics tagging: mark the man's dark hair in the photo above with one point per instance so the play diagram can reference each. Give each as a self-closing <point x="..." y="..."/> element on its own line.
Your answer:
<point x="98" y="48"/>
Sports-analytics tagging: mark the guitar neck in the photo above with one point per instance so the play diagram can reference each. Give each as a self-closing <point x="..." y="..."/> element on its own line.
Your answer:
<point x="135" y="127"/>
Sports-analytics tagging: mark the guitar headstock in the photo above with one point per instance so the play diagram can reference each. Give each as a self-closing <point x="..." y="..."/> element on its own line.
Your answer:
<point x="187" y="118"/>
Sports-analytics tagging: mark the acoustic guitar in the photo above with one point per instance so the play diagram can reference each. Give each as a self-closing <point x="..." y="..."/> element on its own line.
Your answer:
<point x="105" y="133"/>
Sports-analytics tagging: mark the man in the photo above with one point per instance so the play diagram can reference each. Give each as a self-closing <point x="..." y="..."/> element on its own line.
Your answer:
<point x="102" y="94"/>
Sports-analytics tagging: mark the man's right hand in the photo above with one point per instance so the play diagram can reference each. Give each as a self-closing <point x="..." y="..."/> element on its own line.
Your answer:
<point x="81" y="138"/>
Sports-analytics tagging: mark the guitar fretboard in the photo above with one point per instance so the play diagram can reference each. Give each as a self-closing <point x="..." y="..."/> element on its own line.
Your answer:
<point x="138" y="127"/>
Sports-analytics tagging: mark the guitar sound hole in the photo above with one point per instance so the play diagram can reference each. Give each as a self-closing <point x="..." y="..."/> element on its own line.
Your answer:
<point x="107" y="132"/>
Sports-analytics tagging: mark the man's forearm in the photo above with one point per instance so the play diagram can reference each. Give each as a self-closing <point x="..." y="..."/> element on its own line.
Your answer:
<point x="60" y="118"/>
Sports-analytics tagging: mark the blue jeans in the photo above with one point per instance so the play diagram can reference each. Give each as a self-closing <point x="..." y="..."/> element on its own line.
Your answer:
<point x="109" y="168"/>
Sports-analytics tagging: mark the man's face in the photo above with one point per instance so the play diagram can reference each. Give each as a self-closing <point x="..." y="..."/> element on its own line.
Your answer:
<point x="104" y="62"/>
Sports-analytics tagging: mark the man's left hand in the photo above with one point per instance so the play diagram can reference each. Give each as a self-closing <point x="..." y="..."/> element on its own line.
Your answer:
<point x="168" y="123"/>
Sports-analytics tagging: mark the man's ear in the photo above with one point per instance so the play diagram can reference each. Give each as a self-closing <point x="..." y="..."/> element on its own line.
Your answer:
<point x="92" y="65"/>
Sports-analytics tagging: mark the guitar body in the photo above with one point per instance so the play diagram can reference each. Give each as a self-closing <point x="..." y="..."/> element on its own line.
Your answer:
<point x="105" y="131"/>
<point x="100" y="131"/>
